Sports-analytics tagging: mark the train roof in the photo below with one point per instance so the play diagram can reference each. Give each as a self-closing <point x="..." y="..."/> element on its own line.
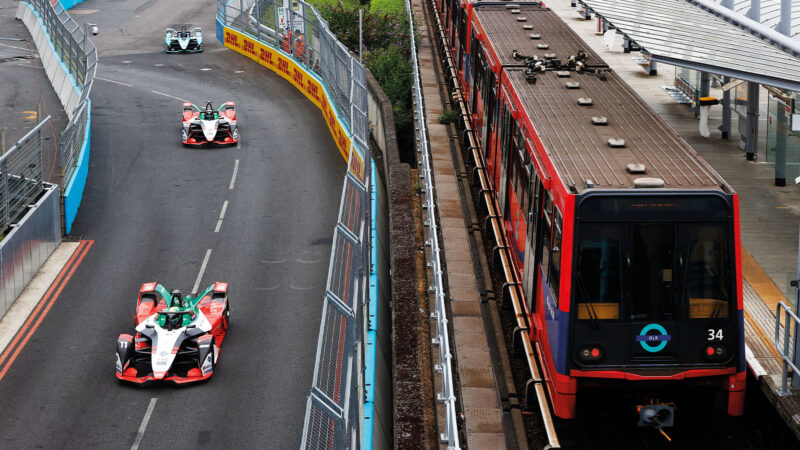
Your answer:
<point x="581" y="151"/>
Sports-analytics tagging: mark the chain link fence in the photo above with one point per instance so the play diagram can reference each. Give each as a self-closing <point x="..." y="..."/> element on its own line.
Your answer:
<point x="79" y="56"/>
<point x="299" y="31"/>
<point x="21" y="177"/>
<point x="334" y="409"/>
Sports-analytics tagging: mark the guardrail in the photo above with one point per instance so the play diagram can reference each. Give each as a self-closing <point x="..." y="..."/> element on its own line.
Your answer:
<point x="70" y="64"/>
<point x="493" y="228"/>
<point x="442" y="338"/>
<point x="788" y="348"/>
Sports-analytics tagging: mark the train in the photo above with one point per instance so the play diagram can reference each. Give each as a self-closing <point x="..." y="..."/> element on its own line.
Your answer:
<point x="626" y="242"/>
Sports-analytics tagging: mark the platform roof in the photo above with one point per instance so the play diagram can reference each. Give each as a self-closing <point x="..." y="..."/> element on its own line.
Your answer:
<point x="680" y="33"/>
<point x="770" y="13"/>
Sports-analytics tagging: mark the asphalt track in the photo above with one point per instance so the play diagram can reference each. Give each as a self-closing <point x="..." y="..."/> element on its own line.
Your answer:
<point x="152" y="207"/>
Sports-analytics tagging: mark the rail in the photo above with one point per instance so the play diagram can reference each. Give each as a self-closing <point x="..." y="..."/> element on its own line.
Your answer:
<point x="787" y="351"/>
<point x="442" y="338"/>
<point x="512" y="288"/>
<point x="21" y="177"/>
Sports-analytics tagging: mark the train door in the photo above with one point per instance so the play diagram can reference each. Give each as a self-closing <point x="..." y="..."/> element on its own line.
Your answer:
<point x="517" y="199"/>
<point x="507" y="131"/>
<point x="490" y="141"/>
<point x="463" y="57"/>
<point x="653" y="281"/>
<point x="529" y="281"/>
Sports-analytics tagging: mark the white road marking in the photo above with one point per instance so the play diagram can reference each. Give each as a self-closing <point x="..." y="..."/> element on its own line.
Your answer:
<point x="143" y="426"/>
<point x="238" y="145"/>
<point x="278" y="261"/>
<point x="126" y="62"/>
<point x="159" y="65"/>
<point x="300" y="288"/>
<point x="18" y="48"/>
<point x="202" y="271"/>
<point x="221" y="216"/>
<point x="233" y="177"/>
<point x="34" y="291"/>
<point x="268" y="288"/>
<point x="307" y="261"/>
<point x="205" y="68"/>
<point x="170" y="96"/>
<point x="112" y="81"/>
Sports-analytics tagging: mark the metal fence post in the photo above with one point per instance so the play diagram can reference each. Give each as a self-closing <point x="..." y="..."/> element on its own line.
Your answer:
<point x="258" y="20"/>
<point x="7" y="196"/>
<point x="795" y="354"/>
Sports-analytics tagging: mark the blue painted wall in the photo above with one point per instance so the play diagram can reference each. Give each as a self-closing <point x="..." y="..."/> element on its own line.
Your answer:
<point x="73" y="194"/>
<point x="67" y="4"/>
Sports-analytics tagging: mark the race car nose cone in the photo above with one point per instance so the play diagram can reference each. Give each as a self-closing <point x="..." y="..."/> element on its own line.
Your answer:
<point x="159" y="375"/>
<point x="209" y="129"/>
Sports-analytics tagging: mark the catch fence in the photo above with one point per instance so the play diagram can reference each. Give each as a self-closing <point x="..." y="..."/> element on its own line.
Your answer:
<point x="300" y="32"/>
<point x="79" y="56"/>
<point x="21" y="177"/>
<point x="335" y="406"/>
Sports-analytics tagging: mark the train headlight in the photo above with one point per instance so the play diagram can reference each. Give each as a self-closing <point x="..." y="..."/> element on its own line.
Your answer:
<point x="590" y="353"/>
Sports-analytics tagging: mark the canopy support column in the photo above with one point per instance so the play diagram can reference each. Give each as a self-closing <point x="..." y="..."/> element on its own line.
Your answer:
<point x="726" y="111"/>
<point x="751" y="137"/>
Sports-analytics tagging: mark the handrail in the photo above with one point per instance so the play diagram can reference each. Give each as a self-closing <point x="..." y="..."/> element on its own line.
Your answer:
<point x="512" y="284"/>
<point x="785" y="355"/>
<point x="442" y="339"/>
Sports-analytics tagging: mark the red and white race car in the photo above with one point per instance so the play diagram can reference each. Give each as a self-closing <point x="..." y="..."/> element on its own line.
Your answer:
<point x="177" y="338"/>
<point x="209" y="125"/>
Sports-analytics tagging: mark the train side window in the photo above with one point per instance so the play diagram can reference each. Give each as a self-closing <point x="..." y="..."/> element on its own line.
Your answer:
<point x="555" y="254"/>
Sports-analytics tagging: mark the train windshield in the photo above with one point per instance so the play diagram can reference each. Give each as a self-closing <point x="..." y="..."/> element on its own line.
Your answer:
<point x="653" y="270"/>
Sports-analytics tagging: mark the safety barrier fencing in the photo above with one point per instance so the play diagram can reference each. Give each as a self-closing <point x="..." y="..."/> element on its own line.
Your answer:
<point x="444" y="365"/>
<point x="294" y="41"/>
<point x="70" y="61"/>
<point x="29" y="229"/>
<point x="494" y="230"/>
<point x="787" y="344"/>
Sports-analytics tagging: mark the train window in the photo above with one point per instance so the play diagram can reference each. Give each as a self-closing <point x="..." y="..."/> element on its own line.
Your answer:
<point x="707" y="271"/>
<point x="547" y="225"/>
<point x="598" y="278"/>
<point x="555" y="254"/>
<point x="652" y="271"/>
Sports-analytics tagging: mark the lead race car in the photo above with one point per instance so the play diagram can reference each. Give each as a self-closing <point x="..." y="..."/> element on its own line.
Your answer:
<point x="188" y="40"/>
<point x="177" y="338"/>
<point x="209" y="125"/>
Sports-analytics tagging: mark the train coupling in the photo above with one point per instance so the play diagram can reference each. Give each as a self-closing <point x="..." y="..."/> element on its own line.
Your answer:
<point x="657" y="415"/>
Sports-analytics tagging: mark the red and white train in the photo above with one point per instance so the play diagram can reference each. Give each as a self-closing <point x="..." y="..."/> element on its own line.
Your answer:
<point x="626" y="241"/>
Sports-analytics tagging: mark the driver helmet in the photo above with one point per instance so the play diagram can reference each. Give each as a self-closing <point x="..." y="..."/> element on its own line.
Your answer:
<point x="174" y="320"/>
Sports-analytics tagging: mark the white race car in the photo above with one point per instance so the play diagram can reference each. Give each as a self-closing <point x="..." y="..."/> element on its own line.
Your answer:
<point x="188" y="40"/>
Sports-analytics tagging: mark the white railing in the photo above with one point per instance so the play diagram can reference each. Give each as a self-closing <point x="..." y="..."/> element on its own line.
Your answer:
<point x="442" y="339"/>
